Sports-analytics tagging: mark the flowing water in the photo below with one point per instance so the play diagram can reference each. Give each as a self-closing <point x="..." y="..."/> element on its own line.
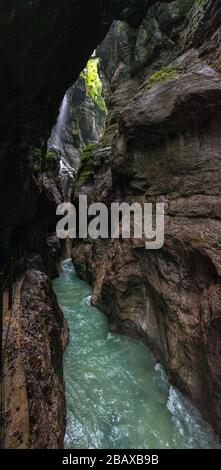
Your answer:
<point x="117" y="397"/>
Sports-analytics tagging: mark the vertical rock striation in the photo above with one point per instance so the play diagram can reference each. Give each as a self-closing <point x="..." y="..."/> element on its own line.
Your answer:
<point x="44" y="46"/>
<point x="44" y="338"/>
<point x="164" y="92"/>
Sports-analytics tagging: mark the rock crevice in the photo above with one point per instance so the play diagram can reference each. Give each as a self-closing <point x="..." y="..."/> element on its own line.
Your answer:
<point x="164" y="122"/>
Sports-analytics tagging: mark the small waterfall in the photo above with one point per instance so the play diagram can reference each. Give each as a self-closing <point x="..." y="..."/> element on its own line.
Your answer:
<point x="61" y="119"/>
<point x="66" y="173"/>
<point x="57" y="132"/>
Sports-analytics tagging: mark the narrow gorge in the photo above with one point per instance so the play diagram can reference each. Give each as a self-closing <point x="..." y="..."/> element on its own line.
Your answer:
<point x="106" y="344"/>
<point x="117" y="396"/>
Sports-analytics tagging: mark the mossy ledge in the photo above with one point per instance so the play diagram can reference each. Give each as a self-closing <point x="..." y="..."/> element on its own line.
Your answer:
<point x="160" y="76"/>
<point x="87" y="165"/>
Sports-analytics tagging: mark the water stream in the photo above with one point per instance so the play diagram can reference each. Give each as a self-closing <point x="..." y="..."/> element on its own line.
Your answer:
<point x="117" y="397"/>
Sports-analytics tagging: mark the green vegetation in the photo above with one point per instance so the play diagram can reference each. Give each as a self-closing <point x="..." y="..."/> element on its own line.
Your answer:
<point x="93" y="83"/>
<point x="51" y="159"/>
<point x="40" y="161"/>
<point x="164" y="74"/>
<point x="88" y="164"/>
<point x="35" y="159"/>
<point x="200" y="2"/>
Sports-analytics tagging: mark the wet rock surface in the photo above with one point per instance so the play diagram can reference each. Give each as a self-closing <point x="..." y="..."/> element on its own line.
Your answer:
<point x="83" y="124"/>
<point x="15" y="411"/>
<point x="44" y="47"/>
<point x="44" y="334"/>
<point x="170" y="298"/>
<point x="166" y="149"/>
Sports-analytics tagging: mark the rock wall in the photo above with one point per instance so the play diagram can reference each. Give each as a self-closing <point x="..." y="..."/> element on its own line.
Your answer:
<point x="43" y="48"/>
<point x="44" y="335"/>
<point x="83" y="124"/>
<point x="164" y="91"/>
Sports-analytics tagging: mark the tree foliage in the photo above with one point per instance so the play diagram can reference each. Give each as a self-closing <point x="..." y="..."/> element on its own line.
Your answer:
<point x="93" y="83"/>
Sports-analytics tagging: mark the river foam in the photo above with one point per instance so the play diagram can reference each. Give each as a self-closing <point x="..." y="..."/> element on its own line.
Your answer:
<point x="117" y="396"/>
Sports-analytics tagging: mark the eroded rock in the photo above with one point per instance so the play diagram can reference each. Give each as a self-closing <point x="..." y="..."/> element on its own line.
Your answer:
<point x="167" y="149"/>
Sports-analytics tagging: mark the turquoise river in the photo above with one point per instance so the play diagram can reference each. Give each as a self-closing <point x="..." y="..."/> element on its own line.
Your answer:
<point x="117" y="396"/>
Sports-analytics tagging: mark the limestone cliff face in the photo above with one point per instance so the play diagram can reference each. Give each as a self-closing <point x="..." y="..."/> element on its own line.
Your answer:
<point x="166" y="148"/>
<point x="34" y="407"/>
<point x="44" y="46"/>
<point x="83" y="124"/>
<point x="44" y="335"/>
<point x="165" y="122"/>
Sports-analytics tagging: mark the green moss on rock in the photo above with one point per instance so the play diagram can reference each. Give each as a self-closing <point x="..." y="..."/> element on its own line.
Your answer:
<point x="35" y="159"/>
<point x="51" y="160"/>
<point x="93" y="83"/>
<point x="164" y="74"/>
<point x="88" y="164"/>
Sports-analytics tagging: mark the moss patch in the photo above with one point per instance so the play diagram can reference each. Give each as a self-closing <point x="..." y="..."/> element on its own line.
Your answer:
<point x="35" y="159"/>
<point x="93" y="83"/>
<point x="51" y="159"/>
<point x="161" y="75"/>
<point x="88" y="164"/>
